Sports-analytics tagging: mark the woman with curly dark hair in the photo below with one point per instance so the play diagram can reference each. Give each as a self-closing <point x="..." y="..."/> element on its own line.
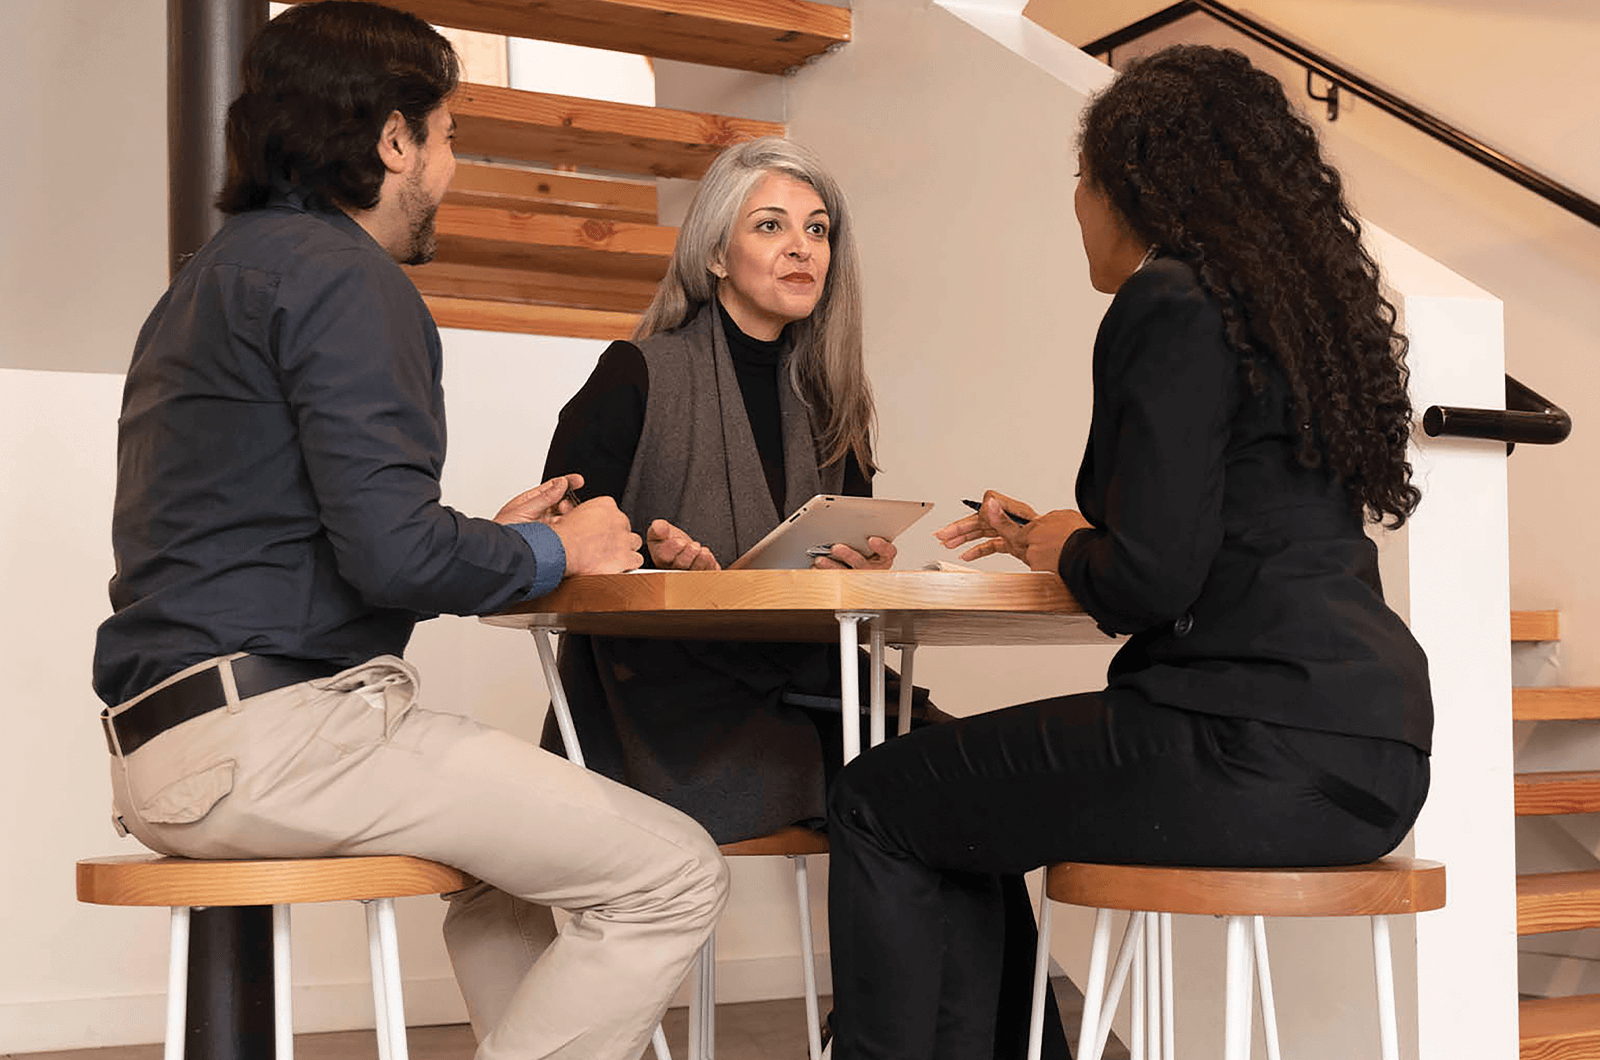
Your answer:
<point x="1268" y="709"/>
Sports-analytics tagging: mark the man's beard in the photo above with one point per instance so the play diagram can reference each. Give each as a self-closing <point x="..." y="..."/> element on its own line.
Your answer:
<point x="423" y="243"/>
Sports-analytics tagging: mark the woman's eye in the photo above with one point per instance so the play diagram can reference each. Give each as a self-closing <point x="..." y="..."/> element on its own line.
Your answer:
<point x="769" y="225"/>
<point x="818" y="229"/>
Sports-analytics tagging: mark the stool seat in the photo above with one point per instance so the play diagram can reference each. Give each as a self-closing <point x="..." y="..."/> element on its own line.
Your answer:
<point x="1388" y="886"/>
<point x="151" y="879"/>
<point x="793" y="841"/>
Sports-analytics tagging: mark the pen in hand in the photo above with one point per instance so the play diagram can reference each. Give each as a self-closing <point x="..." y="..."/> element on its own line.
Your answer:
<point x="978" y="506"/>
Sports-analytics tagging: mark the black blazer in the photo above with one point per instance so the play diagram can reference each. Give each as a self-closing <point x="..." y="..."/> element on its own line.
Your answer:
<point x="1247" y="582"/>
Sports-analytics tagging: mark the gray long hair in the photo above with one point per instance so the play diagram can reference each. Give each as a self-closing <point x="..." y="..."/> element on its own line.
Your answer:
<point x="826" y="366"/>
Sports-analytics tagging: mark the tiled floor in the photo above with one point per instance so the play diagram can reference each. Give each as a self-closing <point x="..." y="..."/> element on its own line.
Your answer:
<point x="758" y="1030"/>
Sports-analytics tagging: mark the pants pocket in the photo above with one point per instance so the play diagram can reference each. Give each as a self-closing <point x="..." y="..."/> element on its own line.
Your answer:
<point x="190" y="797"/>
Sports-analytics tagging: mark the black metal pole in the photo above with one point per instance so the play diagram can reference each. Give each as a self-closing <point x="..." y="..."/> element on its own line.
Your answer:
<point x="230" y="949"/>
<point x="206" y="40"/>
<point x="230" y="984"/>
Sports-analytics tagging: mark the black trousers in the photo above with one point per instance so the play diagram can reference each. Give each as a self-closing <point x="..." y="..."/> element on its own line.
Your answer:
<point x="923" y="828"/>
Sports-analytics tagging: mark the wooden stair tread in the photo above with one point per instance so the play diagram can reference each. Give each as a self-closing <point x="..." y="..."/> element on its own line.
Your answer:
<point x="506" y="123"/>
<point x="491" y="315"/>
<point x="1558" y="901"/>
<point x="1541" y="794"/>
<point x="1535" y="626"/>
<point x="767" y="36"/>
<point x="518" y="188"/>
<point x="490" y="283"/>
<point x="150" y="879"/>
<point x="1555" y="703"/>
<point x="1560" y="1028"/>
<point x="492" y="235"/>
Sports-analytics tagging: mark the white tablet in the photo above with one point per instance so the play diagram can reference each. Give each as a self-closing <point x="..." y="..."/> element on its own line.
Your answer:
<point x="825" y="520"/>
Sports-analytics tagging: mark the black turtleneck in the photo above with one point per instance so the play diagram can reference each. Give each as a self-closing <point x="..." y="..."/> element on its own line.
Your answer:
<point x="598" y="432"/>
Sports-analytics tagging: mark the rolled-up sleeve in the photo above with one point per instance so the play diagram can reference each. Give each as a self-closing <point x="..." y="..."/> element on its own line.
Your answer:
<point x="360" y="362"/>
<point x="1166" y="385"/>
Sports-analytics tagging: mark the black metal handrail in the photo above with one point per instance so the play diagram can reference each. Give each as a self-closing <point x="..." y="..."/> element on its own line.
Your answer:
<point x="1528" y="417"/>
<point x="1545" y="187"/>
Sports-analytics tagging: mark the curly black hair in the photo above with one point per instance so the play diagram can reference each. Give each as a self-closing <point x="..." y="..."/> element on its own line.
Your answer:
<point x="320" y="80"/>
<point x="1203" y="157"/>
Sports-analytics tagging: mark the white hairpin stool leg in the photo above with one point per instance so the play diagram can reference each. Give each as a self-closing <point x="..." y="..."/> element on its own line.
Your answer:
<point x="282" y="1004"/>
<point x="1169" y="1027"/>
<point x="1152" y="986"/>
<point x="696" y="1049"/>
<point x="1041" y="976"/>
<point x="177" y="984"/>
<point x="1131" y="938"/>
<point x="902" y="721"/>
<point x="1094" y="988"/>
<point x="394" y="1002"/>
<point x="1239" y="998"/>
<point x="703" y="1006"/>
<point x="808" y="959"/>
<point x="380" y="995"/>
<point x="658" y="1042"/>
<point x="1269" y="1007"/>
<point x="1383" y="970"/>
<point x="1136" y="1005"/>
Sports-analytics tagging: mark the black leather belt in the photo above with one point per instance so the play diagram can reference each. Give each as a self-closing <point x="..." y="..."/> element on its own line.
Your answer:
<point x="202" y="692"/>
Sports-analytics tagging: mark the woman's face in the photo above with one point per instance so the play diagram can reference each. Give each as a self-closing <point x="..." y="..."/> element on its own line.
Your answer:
<point x="1114" y="252"/>
<point x="776" y="261"/>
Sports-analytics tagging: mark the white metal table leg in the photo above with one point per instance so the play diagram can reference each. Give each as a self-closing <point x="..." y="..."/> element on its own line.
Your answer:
<point x="282" y="1004"/>
<point x="1383" y="971"/>
<point x="380" y="993"/>
<point x="1169" y="1028"/>
<point x="808" y="958"/>
<point x="902" y="722"/>
<point x="879" y="685"/>
<point x="1094" y="988"/>
<point x="177" y="984"/>
<point x="850" y="682"/>
<point x="1041" y="977"/>
<point x="1236" y="1028"/>
<point x="558" y="694"/>
<point x="1269" y="1007"/>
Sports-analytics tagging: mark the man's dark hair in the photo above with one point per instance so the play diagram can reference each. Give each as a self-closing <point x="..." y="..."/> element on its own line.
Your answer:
<point x="320" y="80"/>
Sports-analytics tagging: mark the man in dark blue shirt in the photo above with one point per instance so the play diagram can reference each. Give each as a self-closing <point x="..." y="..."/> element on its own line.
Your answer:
<point x="278" y="533"/>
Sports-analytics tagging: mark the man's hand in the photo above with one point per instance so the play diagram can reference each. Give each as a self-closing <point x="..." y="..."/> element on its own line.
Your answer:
<point x="673" y="549"/>
<point x="597" y="538"/>
<point x="542" y="503"/>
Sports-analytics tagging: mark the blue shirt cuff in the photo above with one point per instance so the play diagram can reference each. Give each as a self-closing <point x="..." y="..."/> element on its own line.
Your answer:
<point x="548" y="553"/>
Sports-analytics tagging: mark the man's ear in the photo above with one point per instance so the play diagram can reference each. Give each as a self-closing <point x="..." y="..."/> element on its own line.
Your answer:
<point x="395" y="145"/>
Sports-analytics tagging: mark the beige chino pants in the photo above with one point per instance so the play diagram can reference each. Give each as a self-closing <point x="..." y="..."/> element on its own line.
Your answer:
<point x="351" y="765"/>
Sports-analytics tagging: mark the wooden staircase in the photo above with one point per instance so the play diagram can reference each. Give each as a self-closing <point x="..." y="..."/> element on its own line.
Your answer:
<point x="556" y="231"/>
<point x="1556" y="1028"/>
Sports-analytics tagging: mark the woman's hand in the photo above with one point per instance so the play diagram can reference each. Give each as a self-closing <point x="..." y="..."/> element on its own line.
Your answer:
<point x="843" y="557"/>
<point x="672" y="549"/>
<point x="990" y="527"/>
<point x="1037" y="542"/>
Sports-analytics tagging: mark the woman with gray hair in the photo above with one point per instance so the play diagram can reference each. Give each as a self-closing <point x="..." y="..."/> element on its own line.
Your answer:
<point x="741" y="396"/>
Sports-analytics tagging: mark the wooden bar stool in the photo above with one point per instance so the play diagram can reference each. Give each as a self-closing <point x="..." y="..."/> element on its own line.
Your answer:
<point x="1379" y="889"/>
<point x="184" y="884"/>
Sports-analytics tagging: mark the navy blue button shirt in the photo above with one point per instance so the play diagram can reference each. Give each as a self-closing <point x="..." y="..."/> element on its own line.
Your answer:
<point x="278" y="460"/>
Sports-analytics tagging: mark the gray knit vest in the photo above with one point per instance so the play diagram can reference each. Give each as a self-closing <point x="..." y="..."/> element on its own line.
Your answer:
<point x="697" y="465"/>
